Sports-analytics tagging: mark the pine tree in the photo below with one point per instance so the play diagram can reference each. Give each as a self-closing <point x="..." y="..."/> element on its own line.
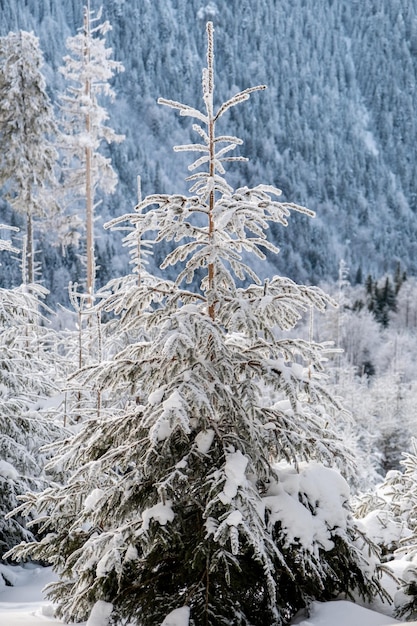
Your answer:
<point x="382" y="301"/>
<point x="27" y="132"/>
<point x="88" y="69"/>
<point x="220" y="439"/>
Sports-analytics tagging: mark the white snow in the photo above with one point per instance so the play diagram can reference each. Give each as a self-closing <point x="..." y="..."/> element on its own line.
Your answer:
<point x="161" y="430"/>
<point x="156" y="396"/>
<point x="383" y="529"/>
<point x="174" y="401"/>
<point x="234" y="518"/>
<point x="24" y="605"/>
<point x="93" y="499"/>
<point x="178" y="617"/>
<point x="8" y="471"/>
<point x="370" y="143"/>
<point x="343" y="613"/>
<point x="235" y="468"/>
<point x="208" y="12"/>
<point x="107" y="563"/>
<point x="323" y="488"/>
<point x="131" y="554"/>
<point x="163" y="427"/>
<point x="161" y="512"/>
<point x="100" y="614"/>
<point x="203" y="440"/>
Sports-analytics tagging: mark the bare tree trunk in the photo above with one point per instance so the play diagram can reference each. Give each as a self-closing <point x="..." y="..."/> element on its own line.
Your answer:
<point x="138" y="247"/>
<point x="30" y="250"/>
<point x="89" y="191"/>
<point x="89" y="227"/>
<point x="210" y="61"/>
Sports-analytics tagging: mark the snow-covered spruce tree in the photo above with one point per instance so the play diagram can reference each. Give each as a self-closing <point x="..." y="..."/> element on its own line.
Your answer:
<point x="88" y="69"/>
<point x="27" y="133"/>
<point x="29" y="377"/>
<point x="210" y="491"/>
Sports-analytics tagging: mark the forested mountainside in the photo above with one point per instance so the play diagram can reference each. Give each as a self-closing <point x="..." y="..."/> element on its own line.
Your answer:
<point x="336" y="130"/>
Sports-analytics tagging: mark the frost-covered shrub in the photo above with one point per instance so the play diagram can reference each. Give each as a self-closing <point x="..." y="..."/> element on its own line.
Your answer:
<point x="389" y="516"/>
<point x="389" y="512"/>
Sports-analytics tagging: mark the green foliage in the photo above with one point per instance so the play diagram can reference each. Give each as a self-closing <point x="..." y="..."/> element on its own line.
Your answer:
<point x="381" y="300"/>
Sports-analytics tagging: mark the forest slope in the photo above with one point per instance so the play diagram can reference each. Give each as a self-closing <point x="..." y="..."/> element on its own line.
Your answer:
<point x="335" y="130"/>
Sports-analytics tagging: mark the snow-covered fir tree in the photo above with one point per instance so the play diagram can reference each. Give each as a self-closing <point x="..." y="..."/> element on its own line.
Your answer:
<point x="27" y="133"/>
<point x="211" y="487"/>
<point x="29" y="378"/>
<point x="88" y="69"/>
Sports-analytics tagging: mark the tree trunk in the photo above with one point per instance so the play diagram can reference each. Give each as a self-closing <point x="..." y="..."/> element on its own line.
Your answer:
<point x="89" y="191"/>
<point x="30" y="265"/>
<point x="89" y="227"/>
<point x="210" y="61"/>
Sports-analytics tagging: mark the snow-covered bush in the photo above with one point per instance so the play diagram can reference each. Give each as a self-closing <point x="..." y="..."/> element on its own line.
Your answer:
<point x="209" y="490"/>
<point x="389" y="516"/>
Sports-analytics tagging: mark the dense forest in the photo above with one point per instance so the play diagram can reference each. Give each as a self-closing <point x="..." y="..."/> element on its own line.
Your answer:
<point x="335" y="129"/>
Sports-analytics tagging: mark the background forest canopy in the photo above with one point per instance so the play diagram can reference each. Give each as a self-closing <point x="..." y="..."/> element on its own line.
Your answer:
<point x="335" y="130"/>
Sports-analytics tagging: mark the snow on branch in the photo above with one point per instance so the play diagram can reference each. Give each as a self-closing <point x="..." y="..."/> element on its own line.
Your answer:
<point x="192" y="147"/>
<point x="184" y="109"/>
<point x="239" y="97"/>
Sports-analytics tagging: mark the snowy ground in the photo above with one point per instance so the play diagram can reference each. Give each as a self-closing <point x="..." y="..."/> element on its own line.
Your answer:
<point x="24" y="605"/>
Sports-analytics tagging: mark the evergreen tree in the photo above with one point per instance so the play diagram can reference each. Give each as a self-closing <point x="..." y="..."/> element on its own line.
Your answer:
<point x="27" y="131"/>
<point x="189" y="495"/>
<point x="382" y="301"/>
<point x="29" y="376"/>
<point x="400" y="277"/>
<point x="88" y="69"/>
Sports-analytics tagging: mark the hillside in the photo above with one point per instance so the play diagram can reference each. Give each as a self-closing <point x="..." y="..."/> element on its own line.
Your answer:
<point x="335" y="130"/>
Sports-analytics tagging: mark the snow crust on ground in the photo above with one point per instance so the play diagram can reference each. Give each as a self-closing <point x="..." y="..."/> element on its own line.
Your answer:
<point x="343" y="613"/>
<point x="24" y="605"/>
